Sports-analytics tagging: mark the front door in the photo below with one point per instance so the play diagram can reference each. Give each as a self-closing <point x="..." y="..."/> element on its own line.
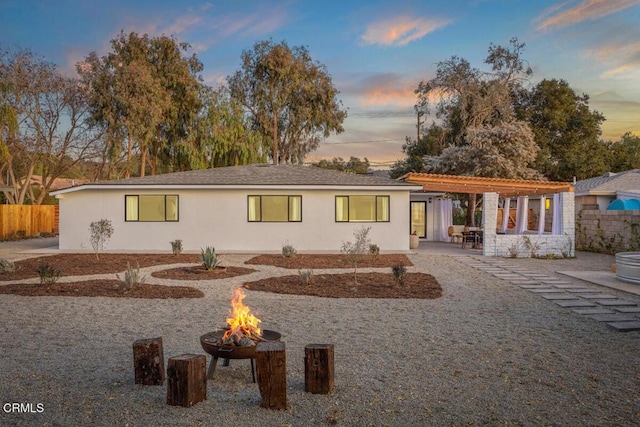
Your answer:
<point x="419" y="218"/>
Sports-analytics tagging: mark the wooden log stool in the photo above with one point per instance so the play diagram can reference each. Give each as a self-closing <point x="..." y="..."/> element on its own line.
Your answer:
<point x="148" y="361"/>
<point x="186" y="380"/>
<point x="318" y="368"/>
<point x="272" y="374"/>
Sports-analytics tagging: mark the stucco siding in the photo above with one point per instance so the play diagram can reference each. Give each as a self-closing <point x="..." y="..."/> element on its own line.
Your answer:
<point x="219" y="218"/>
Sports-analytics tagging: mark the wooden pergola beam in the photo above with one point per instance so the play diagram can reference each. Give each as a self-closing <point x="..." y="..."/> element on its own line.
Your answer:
<point x="478" y="185"/>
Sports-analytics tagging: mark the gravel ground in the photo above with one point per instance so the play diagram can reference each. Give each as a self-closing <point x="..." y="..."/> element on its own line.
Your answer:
<point x="485" y="353"/>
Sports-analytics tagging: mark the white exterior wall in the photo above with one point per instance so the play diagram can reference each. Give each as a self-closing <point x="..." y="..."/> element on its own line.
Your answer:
<point x="218" y="218"/>
<point x="506" y="245"/>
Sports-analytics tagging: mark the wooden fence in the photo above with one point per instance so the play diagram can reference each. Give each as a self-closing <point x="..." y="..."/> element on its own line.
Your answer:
<point x="19" y="221"/>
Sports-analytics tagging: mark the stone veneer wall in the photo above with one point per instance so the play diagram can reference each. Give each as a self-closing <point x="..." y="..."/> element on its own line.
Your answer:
<point x="608" y="231"/>
<point x="510" y="245"/>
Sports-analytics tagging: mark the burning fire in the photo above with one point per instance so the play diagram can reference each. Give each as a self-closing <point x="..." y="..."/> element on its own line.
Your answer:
<point x="242" y="325"/>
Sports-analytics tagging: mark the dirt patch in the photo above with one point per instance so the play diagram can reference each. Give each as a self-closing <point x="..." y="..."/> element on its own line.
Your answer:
<point x="369" y="285"/>
<point x="200" y="273"/>
<point x="318" y="261"/>
<point x="101" y="288"/>
<point x="87" y="264"/>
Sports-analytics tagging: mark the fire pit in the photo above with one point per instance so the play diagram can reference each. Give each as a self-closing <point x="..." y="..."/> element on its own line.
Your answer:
<point x="211" y="344"/>
<point x="239" y="339"/>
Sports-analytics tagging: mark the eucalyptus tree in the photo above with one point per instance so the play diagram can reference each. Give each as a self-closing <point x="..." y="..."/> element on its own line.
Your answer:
<point x="145" y="94"/>
<point x="290" y="98"/>
<point x="52" y="131"/>
<point x="223" y="134"/>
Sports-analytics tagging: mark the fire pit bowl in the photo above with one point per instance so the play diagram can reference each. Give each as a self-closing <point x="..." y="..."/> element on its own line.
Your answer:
<point x="209" y="344"/>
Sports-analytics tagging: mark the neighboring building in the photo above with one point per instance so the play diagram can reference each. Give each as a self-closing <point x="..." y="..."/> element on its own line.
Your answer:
<point x="253" y="208"/>
<point x="598" y="192"/>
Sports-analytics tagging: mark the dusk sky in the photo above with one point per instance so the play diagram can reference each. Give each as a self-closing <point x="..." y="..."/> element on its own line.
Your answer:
<point x="376" y="51"/>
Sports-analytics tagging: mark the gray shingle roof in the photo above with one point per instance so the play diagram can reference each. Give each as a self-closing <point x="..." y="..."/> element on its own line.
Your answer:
<point x="259" y="174"/>
<point x="610" y="182"/>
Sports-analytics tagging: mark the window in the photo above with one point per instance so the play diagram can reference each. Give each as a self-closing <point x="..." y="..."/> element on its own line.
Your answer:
<point x="275" y="209"/>
<point x="362" y="208"/>
<point x="151" y="208"/>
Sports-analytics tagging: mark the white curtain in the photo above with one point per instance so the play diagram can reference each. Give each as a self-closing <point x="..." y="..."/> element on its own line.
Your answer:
<point x="505" y="214"/>
<point x="446" y="218"/>
<point x="522" y="214"/>
<point x="556" y="226"/>
<point x="541" y="218"/>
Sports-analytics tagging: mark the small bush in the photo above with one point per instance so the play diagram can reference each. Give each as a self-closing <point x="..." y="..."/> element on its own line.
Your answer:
<point x="209" y="258"/>
<point x="6" y="265"/>
<point x="305" y="276"/>
<point x="48" y="273"/>
<point x="176" y="246"/>
<point x="514" y="250"/>
<point x="399" y="272"/>
<point x="374" y="251"/>
<point x="132" y="277"/>
<point x="100" y="232"/>
<point x="355" y="252"/>
<point x="288" y="250"/>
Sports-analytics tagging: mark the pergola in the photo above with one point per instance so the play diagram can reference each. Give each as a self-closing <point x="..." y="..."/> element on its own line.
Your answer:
<point x="479" y="185"/>
<point x="497" y="240"/>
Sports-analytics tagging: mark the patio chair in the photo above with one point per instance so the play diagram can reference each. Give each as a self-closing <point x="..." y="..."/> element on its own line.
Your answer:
<point x="468" y="237"/>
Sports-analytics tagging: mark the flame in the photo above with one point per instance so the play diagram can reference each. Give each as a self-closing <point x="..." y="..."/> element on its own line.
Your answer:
<point x="241" y="322"/>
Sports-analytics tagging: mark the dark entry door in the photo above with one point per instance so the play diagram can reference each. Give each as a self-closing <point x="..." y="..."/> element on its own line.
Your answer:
<point x="419" y="218"/>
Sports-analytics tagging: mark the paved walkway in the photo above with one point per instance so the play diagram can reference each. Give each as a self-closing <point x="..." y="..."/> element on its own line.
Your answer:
<point x="620" y="313"/>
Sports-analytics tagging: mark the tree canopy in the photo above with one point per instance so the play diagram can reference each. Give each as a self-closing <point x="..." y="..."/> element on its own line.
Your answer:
<point x="145" y="94"/>
<point x="565" y="129"/>
<point x="353" y="165"/>
<point x="44" y="125"/>
<point x="625" y="153"/>
<point x="290" y="98"/>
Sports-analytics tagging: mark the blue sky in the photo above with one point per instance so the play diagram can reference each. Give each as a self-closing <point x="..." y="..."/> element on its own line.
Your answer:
<point x="376" y="51"/>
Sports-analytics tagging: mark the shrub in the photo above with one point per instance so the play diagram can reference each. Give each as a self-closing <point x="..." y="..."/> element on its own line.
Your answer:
<point x="132" y="277"/>
<point x="514" y="250"/>
<point x="374" y="251"/>
<point x="288" y="250"/>
<point x="399" y="272"/>
<point x="101" y="231"/>
<point x="305" y="276"/>
<point x="356" y="251"/>
<point x="209" y="258"/>
<point x="176" y="246"/>
<point x="48" y="273"/>
<point x="6" y="265"/>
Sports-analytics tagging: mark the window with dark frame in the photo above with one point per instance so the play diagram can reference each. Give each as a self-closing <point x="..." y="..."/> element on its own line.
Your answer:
<point x="274" y="208"/>
<point x="362" y="208"/>
<point x="151" y="208"/>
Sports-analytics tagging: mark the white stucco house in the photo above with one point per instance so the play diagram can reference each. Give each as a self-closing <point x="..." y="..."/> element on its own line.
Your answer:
<point x="253" y="208"/>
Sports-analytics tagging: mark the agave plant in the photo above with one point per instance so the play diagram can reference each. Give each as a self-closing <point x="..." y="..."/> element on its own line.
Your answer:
<point x="209" y="258"/>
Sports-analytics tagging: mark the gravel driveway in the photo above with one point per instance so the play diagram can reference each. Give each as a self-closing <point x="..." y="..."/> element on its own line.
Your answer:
<point x="485" y="353"/>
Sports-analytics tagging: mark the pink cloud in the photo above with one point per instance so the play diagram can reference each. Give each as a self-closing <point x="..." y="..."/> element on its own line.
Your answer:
<point x="388" y="95"/>
<point x="559" y="16"/>
<point x="621" y="57"/>
<point x="401" y="30"/>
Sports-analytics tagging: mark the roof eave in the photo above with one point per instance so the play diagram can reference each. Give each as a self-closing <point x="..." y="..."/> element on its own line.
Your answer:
<point x="165" y="187"/>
